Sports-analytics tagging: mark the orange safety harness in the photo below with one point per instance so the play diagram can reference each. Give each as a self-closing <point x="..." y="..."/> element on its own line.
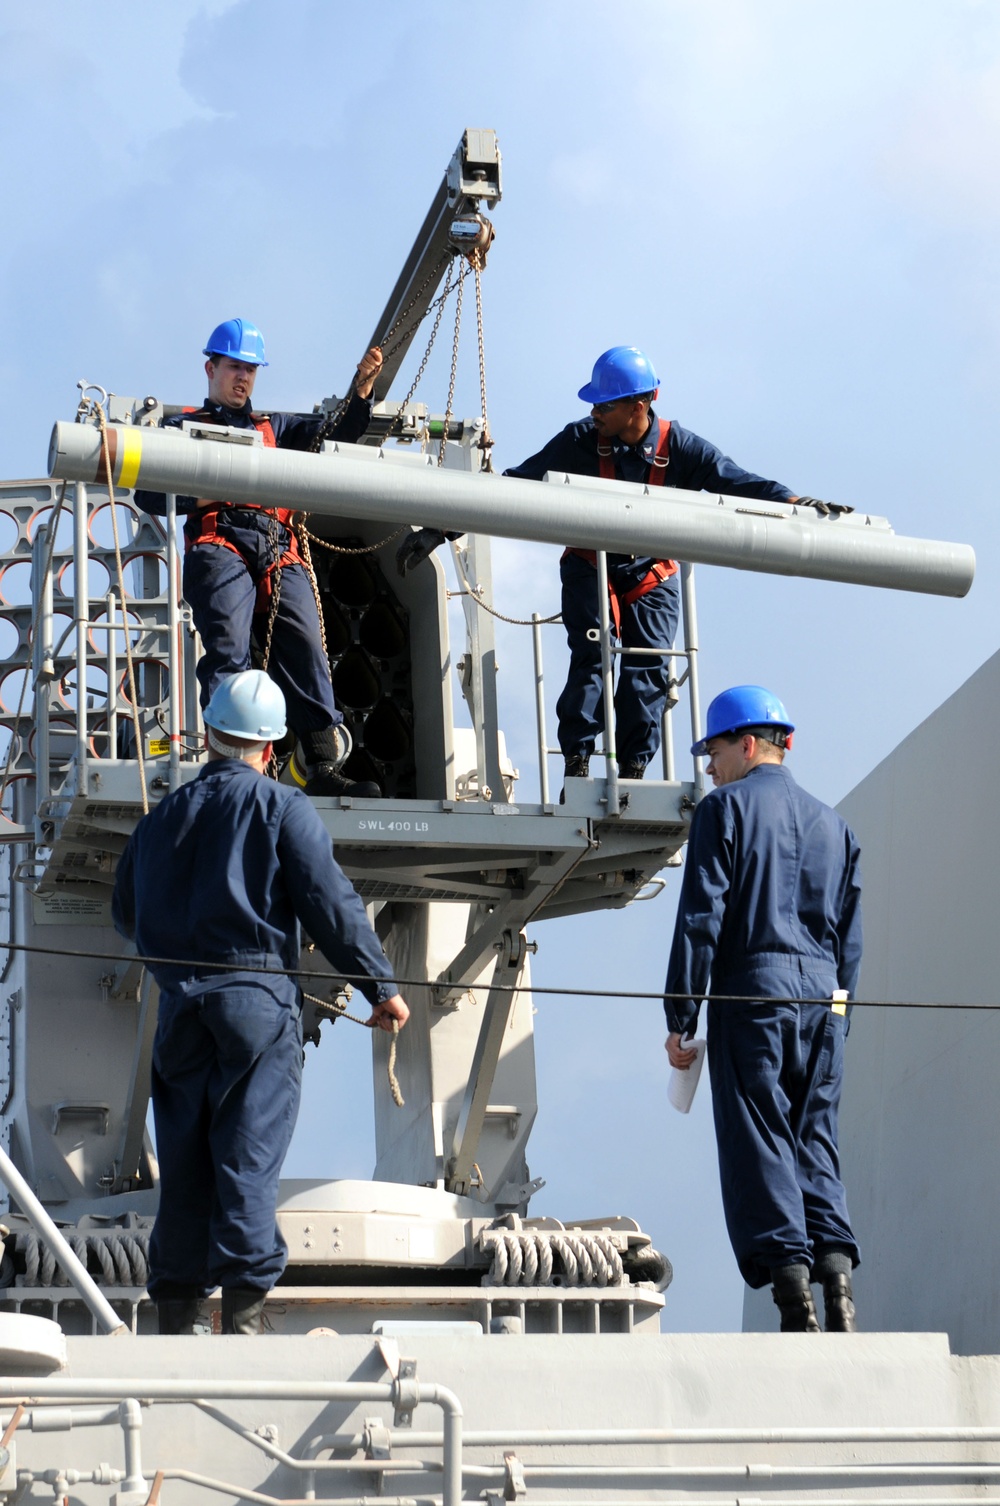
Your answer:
<point x="206" y="519"/>
<point x="661" y="569"/>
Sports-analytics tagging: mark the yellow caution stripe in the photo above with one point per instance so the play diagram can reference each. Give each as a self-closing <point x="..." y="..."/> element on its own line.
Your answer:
<point x="130" y="451"/>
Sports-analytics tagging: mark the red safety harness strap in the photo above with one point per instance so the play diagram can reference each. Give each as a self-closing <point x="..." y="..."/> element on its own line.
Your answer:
<point x="207" y="520"/>
<point x="662" y="569"/>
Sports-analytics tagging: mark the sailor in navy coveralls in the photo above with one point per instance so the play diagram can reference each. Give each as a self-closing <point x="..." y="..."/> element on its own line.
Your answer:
<point x="223" y="871"/>
<point x="770" y="909"/>
<point x="242" y="560"/>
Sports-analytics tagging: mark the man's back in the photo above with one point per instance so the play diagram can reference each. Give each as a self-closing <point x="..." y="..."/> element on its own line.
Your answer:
<point x="205" y="869"/>
<point x="771" y="878"/>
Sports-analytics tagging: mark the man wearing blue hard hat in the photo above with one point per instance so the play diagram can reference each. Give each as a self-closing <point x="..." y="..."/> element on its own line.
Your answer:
<point x="769" y="931"/>
<point x="246" y="578"/>
<point x="224" y="871"/>
<point x="624" y="439"/>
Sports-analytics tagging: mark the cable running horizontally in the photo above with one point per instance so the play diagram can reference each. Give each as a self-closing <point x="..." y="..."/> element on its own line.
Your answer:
<point x="201" y="964"/>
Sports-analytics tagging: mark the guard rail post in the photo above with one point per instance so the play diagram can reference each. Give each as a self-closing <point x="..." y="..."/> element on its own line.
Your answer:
<point x="81" y="611"/>
<point x="608" y="678"/>
<point x="691" y="647"/>
<point x="543" y="761"/>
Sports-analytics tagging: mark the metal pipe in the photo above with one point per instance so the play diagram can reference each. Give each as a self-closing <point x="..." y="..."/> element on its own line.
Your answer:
<point x="608" y="680"/>
<point x="667" y="729"/>
<point x="566" y="509"/>
<point x="543" y="760"/>
<point x="690" y="618"/>
<point x="81" y="611"/>
<point x="112" y="711"/>
<point x="63" y="1419"/>
<point x="173" y="646"/>
<point x="42" y="668"/>
<point x="130" y="1417"/>
<point x="631" y="1437"/>
<point x="226" y="1487"/>
<point x="813" y="1500"/>
<point x="71" y="1264"/>
<point x="158" y="1389"/>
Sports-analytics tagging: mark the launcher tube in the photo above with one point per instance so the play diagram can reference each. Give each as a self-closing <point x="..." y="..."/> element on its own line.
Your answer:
<point x="743" y="534"/>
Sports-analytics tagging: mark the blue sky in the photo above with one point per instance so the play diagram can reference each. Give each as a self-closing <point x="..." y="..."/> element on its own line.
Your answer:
<point x="792" y="207"/>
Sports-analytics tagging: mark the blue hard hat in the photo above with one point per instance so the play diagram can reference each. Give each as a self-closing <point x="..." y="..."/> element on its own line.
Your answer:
<point x="248" y="705"/>
<point x="743" y="706"/>
<point x="622" y="371"/>
<point x="238" y="339"/>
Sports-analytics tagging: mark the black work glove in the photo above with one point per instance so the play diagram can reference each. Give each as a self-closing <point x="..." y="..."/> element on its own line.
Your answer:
<point x="825" y="509"/>
<point x="417" y="546"/>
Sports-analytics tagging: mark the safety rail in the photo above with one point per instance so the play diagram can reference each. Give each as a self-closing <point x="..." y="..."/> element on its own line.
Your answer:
<point x="51" y="676"/>
<point x="609" y="650"/>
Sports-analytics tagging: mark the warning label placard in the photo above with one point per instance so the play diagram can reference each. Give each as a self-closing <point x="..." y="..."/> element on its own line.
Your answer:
<point x="70" y="910"/>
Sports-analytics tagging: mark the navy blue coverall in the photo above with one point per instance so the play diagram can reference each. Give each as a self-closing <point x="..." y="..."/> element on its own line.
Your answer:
<point x="770" y="906"/>
<point x="220" y="586"/>
<point x="223" y="871"/>
<point x="651" y="620"/>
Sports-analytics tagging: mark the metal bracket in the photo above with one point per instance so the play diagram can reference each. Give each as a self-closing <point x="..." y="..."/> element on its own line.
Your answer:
<point x="514" y="1484"/>
<point x="405" y="1394"/>
<point x="378" y="1439"/>
<point x="405" y="1391"/>
<point x="221" y="433"/>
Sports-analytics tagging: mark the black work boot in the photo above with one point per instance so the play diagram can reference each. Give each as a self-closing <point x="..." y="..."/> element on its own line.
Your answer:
<point x="832" y="1268"/>
<point x="183" y="1315"/>
<point x="794" y="1299"/>
<point x="242" y="1308"/>
<point x="577" y="767"/>
<point x="631" y="770"/>
<point x="326" y="779"/>
<point x="838" y="1303"/>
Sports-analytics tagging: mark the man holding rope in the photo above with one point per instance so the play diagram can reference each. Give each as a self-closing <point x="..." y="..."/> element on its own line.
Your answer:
<point x="223" y="871"/>
<point x="769" y="921"/>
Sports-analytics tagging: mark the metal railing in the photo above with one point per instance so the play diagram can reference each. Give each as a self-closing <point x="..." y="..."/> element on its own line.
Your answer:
<point x="609" y="650"/>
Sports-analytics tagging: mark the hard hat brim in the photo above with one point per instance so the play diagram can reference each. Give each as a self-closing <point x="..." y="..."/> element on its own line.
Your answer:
<point x="227" y="355"/>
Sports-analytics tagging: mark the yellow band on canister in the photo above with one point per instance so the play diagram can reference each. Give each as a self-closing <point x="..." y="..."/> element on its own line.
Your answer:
<point x="130" y="449"/>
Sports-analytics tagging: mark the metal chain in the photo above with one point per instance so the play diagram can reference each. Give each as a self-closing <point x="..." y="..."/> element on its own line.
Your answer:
<point x="430" y="345"/>
<point x="432" y="274"/>
<point x="274" y="540"/>
<point x="302" y="534"/>
<point x="314" y="538"/>
<point x="454" y="368"/>
<point x="327" y="428"/>
<point x="339" y="1012"/>
<point x="485" y="442"/>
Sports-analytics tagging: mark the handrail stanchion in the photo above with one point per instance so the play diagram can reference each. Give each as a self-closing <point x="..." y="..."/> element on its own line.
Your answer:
<point x="691" y="645"/>
<point x="667" y="734"/>
<point x="543" y="762"/>
<point x="42" y="666"/>
<point x="173" y="646"/>
<point x="607" y="675"/>
<point x="112" y="717"/>
<point x="81" y="610"/>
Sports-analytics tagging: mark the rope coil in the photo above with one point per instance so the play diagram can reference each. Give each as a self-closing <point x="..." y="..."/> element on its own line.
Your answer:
<point x="541" y="1257"/>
